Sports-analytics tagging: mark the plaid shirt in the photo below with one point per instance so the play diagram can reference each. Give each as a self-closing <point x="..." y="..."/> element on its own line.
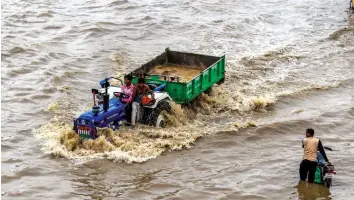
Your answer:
<point x="128" y="90"/>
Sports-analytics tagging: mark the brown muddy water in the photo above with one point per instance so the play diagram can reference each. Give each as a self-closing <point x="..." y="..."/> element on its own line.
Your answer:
<point x="290" y="66"/>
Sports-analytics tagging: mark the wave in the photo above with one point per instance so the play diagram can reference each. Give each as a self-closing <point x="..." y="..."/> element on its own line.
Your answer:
<point x="277" y="55"/>
<point x="18" y="72"/>
<point x="17" y="50"/>
<point x="53" y="27"/>
<point x="339" y="33"/>
<point x="48" y="13"/>
<point x="309" y="88"/>
<point x="117" y="3"/>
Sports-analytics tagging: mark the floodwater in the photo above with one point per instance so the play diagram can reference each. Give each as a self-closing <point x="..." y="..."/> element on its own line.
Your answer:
<point x="290" y="66"/>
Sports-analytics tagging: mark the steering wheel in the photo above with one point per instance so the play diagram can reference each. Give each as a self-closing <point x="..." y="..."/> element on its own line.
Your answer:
<point x="121" y="95"/>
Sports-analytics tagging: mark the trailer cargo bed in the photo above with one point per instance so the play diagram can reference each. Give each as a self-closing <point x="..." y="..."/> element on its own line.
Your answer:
<point x="186" y="75"/>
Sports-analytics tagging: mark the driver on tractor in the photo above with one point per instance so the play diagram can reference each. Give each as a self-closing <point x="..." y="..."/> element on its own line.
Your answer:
<point x="128" y="89"/>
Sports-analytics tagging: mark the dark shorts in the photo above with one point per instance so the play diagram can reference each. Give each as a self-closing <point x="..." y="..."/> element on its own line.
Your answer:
<point x="308" y="167"/>
<point x="128" y="112"/>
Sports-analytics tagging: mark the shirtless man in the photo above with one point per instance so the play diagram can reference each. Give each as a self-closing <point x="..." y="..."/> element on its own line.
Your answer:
<point x="141" y="89"/>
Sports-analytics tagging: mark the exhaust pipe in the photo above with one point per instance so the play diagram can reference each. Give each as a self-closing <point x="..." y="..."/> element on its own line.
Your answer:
<point x="106" y="97"/>
<point x="95" y="108"/>
<point x="105" y="102"/>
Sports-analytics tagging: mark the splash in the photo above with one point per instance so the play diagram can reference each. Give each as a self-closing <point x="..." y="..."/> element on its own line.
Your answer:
<point x="126" y="144"/>
<point x="118" y="58"/>
<point x="53" y="107"/>
<point x="58" y="78"/>
<point x="245" y="125"/>
<point x="137" y="144"/>
<point x="186" y="124"/>
<point x="121" y="62"/>
<point x="261" y="104"/>
<point x="70" y="140"/>
<point x="64" y="88"/>
<point x="207" y="115"/>
<point x="130" y="145"/>
<point x="177" y="117"/>
<point x="221" y="100"/>
<point x="218" y="101"/>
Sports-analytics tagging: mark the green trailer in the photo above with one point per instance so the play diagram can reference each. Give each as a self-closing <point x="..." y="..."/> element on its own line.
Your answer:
<point x="185" y="75"/>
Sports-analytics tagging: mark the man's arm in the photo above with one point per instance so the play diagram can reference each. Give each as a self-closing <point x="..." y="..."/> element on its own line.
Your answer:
<point x="151" y="92"/>
<point x="320" y="148"/>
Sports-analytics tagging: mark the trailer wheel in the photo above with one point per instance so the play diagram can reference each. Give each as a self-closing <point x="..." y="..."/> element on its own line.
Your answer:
<point x="208" y="91"/>
<point x="156" y="117"/>
<point x="221" y="81"/>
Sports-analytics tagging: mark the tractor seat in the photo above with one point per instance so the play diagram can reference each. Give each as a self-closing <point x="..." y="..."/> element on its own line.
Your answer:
<point x="160" y="88"/>
<point x="152" y="86"/>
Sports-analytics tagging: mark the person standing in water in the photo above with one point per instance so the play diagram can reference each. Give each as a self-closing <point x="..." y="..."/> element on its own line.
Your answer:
<point x="309" y="163"/>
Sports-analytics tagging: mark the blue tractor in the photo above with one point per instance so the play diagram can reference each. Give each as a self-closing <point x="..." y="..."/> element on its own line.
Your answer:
<point x="109" y="111"/>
